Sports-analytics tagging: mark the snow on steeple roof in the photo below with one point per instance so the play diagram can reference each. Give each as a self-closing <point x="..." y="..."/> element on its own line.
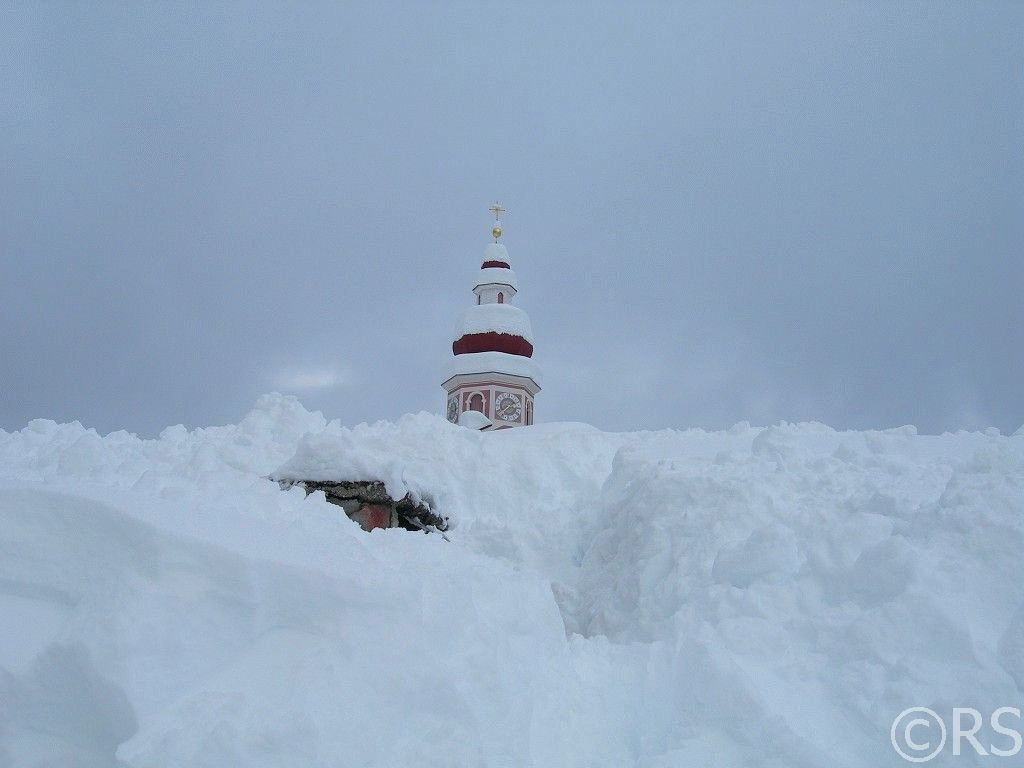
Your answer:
<point x="496" y="252"/>
<point x="492" y="362"/>
<point x="495" y="318"/>
<point x="496" y="276"/>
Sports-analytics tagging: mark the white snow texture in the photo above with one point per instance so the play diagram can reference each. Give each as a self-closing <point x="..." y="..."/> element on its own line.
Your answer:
<point x="755" y="597"/>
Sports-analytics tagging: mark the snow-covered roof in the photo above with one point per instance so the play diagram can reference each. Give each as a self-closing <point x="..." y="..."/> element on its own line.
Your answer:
<point x="495" y="318"/>
<point x="474" y="420"/>
<point x="496" y="252"/>
<point x="492" y="362"/>
<point x="496" y="276"/>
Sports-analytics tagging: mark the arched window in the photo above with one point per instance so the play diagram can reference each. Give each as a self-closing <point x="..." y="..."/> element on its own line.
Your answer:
<point x="476" y="403"/>
<point x="501" y="297"/>
<point x="529" y="412"/>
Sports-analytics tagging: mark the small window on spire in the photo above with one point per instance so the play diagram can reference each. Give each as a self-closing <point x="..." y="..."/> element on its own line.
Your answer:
<point x="501" y="297"/>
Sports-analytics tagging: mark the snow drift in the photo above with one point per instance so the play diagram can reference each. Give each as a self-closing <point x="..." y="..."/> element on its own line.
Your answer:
<point x="757" y="597"/>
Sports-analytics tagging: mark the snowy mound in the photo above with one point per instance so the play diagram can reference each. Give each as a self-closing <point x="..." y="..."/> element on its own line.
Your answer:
<point x="757" y="597"/>
<point x="474" y="420"/>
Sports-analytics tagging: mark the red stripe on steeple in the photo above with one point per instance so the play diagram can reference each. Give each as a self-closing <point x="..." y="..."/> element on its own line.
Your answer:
<point x="492" y="341"/>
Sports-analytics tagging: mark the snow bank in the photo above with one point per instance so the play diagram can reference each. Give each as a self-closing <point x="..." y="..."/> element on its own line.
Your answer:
<point x="804" y="591"/>
<point x="759" y="597"/>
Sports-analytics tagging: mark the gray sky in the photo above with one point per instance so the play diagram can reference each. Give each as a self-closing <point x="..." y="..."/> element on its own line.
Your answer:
<point x="717" y="211"/>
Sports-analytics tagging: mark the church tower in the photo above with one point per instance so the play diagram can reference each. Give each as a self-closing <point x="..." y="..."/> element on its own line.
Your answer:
<point x="491" y="382"/>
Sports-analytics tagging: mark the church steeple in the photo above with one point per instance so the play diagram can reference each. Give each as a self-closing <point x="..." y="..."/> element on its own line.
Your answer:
<point x="492" y="374"/>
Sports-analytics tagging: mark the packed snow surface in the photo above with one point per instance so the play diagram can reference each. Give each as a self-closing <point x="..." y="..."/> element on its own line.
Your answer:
<point x="755" y="597"/>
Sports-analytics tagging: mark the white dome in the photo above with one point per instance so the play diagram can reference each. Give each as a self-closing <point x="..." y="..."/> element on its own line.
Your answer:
<point x="495" y="318"/>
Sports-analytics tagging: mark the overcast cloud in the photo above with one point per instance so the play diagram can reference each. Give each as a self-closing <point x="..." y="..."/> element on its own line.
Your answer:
<point x="717" y="211"/>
